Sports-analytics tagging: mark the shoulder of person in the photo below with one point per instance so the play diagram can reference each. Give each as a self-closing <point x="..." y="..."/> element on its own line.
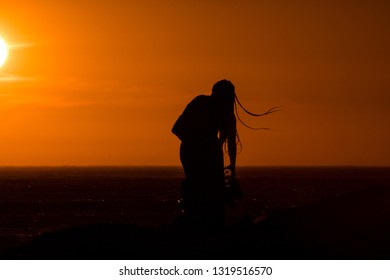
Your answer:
<point x="199" y="100"/>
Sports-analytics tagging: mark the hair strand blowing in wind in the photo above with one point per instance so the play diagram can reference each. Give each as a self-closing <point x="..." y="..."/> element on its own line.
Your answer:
<point x="270" y="111"/>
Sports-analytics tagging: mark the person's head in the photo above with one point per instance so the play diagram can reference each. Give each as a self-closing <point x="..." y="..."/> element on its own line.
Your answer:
<point x="223" y="92"/>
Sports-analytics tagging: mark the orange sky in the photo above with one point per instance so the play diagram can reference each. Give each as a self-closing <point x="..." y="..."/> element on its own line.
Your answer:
<point x="102" y="82"/>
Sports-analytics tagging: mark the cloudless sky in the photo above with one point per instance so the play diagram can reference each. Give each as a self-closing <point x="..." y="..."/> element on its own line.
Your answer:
<point x="102" y="82"/>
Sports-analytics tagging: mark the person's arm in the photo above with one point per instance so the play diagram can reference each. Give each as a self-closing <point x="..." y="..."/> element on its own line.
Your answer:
<point x="232" y="146"/>
<point x="183" y="127"/>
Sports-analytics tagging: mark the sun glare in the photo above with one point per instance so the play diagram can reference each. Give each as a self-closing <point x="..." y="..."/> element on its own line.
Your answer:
<point x="3" y="51"/>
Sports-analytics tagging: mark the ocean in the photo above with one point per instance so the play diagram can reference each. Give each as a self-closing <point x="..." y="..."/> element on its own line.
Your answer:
<point x="39" y="200"/>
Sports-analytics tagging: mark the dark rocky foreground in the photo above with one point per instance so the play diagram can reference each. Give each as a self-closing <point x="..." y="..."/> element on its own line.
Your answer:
<point x="352" y="226"/>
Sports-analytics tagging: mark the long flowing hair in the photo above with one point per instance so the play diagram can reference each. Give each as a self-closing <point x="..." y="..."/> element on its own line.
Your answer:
<point x="224" y="91"/>
<point x="237" y="104"/>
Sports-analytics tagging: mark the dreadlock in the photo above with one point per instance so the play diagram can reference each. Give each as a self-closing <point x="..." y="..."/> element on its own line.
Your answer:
<point x="269" y="111"/>
<point x="224" y="91"/>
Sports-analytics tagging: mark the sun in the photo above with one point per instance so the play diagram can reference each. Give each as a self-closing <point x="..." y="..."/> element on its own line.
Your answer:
<point x="3" y="51"/>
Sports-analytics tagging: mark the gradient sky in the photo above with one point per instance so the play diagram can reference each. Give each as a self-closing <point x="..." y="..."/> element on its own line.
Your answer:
<point x="102" y="82"/>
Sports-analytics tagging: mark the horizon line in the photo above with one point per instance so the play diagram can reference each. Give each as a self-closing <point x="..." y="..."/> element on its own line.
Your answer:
<point x="179" y="166"/>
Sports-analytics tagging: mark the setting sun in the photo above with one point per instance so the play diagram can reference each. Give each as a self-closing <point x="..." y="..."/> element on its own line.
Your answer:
<point x="3" y="51"/>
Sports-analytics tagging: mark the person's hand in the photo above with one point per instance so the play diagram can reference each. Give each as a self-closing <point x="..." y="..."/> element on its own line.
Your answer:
<point x="232" y="169"/>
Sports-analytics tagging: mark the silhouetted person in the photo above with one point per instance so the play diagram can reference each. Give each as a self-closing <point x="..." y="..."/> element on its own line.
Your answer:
<point x="207" y="123"/>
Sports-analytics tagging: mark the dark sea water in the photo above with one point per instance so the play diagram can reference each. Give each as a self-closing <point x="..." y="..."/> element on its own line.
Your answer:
<point x="37" y="200"/>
